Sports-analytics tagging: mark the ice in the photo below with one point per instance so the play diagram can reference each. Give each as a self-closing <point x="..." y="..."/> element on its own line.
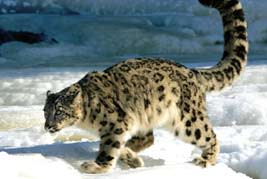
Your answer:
<point x="107" y="30"/>
<point x="95" y="39"/>
<point x="9" y="2"/>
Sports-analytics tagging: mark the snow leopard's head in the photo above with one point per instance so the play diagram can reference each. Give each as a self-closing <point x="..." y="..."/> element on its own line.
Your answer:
<point x="63" y="109"/>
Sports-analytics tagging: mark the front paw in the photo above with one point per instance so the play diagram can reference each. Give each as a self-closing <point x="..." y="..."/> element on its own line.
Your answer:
<point x="92" y="167"/>
<point x="201" y="162"/>
<point x="133" y="162"/>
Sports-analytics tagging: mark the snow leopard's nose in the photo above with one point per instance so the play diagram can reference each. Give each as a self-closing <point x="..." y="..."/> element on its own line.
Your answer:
<point x="50" y="128"/>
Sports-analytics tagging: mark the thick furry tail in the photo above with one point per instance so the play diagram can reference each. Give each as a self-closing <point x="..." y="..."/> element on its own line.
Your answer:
<point x="234" y="58"/>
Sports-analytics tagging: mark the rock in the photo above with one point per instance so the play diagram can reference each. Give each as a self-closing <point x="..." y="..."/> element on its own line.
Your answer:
<point x="24" y="36"/>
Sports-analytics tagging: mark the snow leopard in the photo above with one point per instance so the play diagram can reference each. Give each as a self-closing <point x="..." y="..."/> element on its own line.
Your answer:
<point x="124" y="103"/>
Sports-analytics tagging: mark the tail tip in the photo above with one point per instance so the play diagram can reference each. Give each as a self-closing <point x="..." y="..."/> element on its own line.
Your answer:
<point x="219" y="4"/>
<point x="206" y="2"/>
<point x="212" y="3"/>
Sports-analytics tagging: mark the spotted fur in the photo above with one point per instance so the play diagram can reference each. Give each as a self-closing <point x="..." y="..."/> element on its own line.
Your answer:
<point x="124" y="103"/>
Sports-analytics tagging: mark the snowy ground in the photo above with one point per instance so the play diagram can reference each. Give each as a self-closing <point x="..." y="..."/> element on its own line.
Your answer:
<point x="167" y="158"/>
<point x="26" y="151"/>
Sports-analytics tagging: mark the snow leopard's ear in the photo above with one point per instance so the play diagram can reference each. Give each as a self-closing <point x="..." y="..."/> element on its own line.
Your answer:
<point x="48" y="93"/>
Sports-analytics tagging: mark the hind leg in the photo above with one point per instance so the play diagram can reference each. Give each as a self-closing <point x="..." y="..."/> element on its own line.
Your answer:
<point x="136" y="144"/>
<point x="210" y="150"/>
<point x="197" y="130"/>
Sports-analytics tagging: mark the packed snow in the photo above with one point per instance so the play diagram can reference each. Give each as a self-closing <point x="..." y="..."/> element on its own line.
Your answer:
<point x="167" y="158"/>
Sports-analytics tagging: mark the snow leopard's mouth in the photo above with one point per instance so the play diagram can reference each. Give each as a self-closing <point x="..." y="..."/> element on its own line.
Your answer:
<point x="52" y="129"/>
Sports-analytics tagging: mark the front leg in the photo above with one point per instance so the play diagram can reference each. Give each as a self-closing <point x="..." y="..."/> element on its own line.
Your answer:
<point x="109" y="151"/>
